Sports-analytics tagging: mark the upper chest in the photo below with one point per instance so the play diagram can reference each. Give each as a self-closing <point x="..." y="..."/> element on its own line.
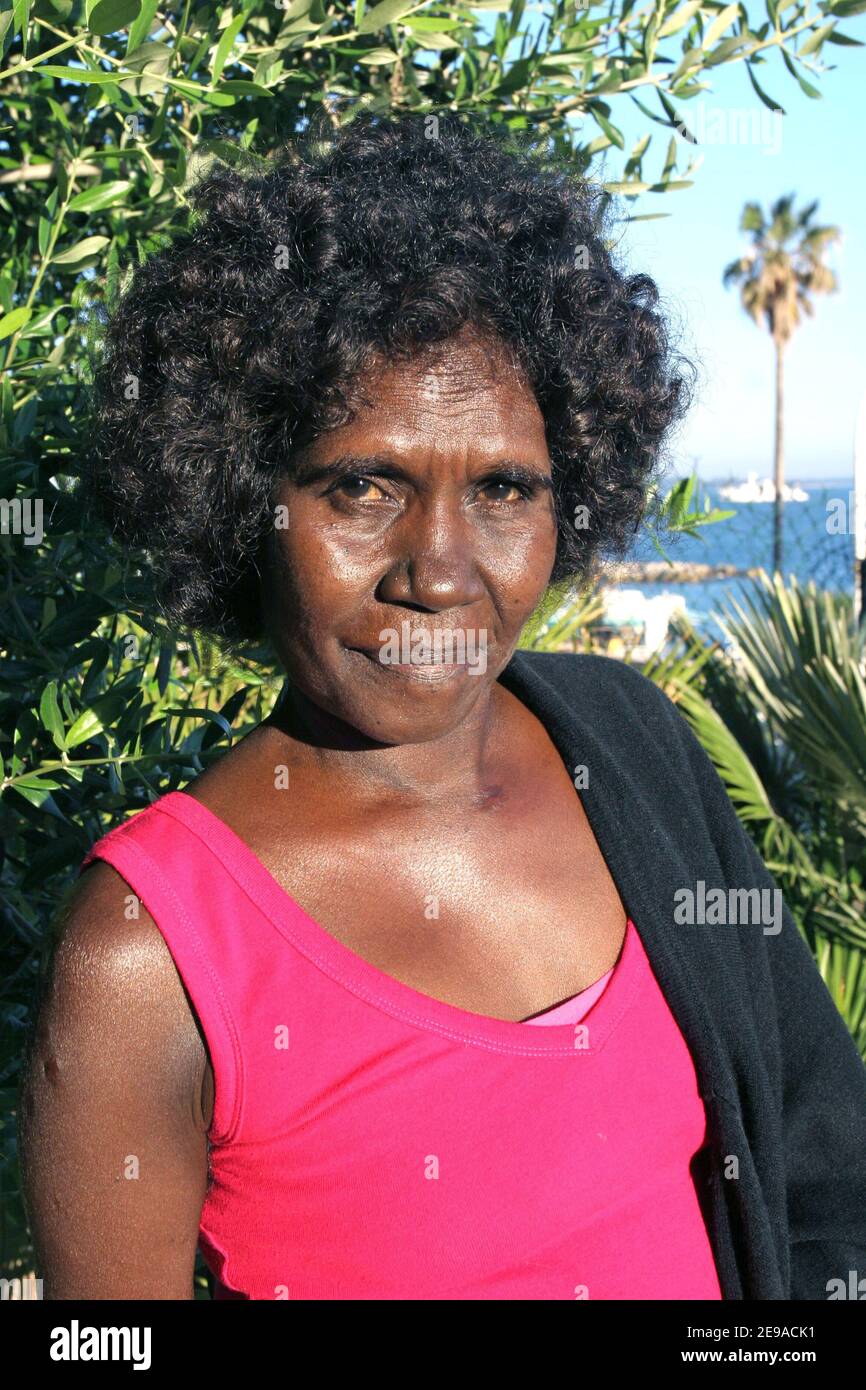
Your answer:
<point x="502" y="906"/>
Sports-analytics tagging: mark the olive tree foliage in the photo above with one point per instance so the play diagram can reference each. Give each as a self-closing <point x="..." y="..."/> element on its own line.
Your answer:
<point x="110" y="108"/>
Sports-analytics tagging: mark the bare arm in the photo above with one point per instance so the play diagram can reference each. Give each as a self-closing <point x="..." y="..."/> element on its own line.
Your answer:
<point x="113" y="1138"/>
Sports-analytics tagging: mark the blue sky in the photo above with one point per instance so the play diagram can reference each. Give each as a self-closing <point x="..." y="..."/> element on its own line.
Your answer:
<point x="817" y="152"/>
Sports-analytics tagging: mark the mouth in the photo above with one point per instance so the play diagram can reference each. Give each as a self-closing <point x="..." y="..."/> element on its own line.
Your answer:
<point x="424" y="672"/>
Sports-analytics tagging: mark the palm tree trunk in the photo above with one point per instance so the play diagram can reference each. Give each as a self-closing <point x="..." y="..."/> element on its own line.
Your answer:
<point x="779" y="465"/>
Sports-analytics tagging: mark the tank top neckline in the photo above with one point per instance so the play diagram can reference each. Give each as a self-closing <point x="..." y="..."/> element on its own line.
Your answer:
<point x="385" y="992"/>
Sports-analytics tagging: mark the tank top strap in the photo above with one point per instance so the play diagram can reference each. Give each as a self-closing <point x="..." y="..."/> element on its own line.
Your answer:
<point x="197" y="906"/>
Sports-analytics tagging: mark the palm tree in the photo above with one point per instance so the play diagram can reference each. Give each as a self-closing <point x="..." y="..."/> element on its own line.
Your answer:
<point x="778" y="276"/>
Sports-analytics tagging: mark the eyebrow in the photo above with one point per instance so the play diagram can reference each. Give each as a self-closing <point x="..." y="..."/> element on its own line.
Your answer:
<point x="385" y="466"/>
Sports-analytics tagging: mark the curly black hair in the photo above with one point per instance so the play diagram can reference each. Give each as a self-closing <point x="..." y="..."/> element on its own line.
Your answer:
<point x="248" y="334"/>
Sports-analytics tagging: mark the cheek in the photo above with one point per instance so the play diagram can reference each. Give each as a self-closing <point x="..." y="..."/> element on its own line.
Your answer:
<point x="320" y="575"/>
<point x="521" y="557"/>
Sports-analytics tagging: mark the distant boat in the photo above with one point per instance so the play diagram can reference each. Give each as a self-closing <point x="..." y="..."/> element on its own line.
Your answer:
<point x="761" y="490"/>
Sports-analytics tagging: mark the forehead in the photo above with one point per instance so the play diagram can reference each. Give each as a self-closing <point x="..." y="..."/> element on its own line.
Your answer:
<point x="466" y="395"/>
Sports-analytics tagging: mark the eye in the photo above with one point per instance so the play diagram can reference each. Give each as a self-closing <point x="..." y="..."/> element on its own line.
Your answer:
<point x="507" y="485"/>
<point x="352" y="480"/>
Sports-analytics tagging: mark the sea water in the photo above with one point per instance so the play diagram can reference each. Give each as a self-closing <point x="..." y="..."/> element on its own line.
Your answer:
<point x="814" y="546"/>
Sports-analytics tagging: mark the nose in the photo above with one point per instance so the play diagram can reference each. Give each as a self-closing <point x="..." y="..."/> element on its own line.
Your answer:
<point x="435" y="566"/>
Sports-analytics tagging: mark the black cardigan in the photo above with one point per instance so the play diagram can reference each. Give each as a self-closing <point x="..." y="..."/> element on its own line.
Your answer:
<point x="782" y="1081"/>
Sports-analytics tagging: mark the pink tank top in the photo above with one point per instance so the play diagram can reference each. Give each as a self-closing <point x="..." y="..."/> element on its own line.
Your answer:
<point x="372" y="1142"/>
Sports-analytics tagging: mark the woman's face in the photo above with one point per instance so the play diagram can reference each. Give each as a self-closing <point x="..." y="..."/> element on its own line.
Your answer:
<point x="413" y="544"/>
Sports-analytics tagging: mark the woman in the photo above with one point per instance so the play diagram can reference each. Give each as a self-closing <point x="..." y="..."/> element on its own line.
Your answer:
<point x="405" y="997"/>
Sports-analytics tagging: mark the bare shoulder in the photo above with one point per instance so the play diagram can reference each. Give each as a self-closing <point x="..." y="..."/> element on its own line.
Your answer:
<point x="112" y="976"/>
<point x="113" y="1146"/>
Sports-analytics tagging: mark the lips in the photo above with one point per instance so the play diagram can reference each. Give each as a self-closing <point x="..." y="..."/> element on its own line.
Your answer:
<point x="429" y="671"/>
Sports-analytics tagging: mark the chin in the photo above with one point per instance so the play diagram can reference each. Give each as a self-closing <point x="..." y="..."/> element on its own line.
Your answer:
<point x="417" y="710"/>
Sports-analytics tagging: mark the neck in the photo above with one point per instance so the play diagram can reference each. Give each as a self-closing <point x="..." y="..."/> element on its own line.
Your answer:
<point x="463" y="765"/>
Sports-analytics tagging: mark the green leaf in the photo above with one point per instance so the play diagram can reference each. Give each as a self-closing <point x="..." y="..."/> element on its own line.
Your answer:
<point x="82" y="251"/>
<point x="670" y="159"/>
<point x="109" y="16"/>
<point x="21" y="21"/>
<point x="690" y="59"/>
<point x="765" y="98"/>
<point x="43" y="234"/>
<point x="674" y="118"/>
<point x="722" y="53"/>
<point x="515" y="78"/>
<point x="209" y="715"/>
<point x="685" y="496"/>
<point x="39" y="782"/>
<point x="25" y="419"/>
<point x="613" y="134"/>
<point x="36" y="790"/>
<point x="86" y="726"/>
<point x="430" y="23"/>
<point x="627" y="188"/>
<point x="805" y="87"/>
<point x="650" y="39"/>
<point x="722" y="22"/>
<point x="141" y="27"/>
<point x="386" y="13"/>
<point x="226" y="44"/>
<point x="101" y="195"/>
<point x="15" y="319"/>
<point x="239" y="86"/>
<point x="815" y="39"/>
<point x="49" y="713"/>
<point x="611" y="82"/>
<point x="100" y="715"/>
<point x="150" y="57"/>
<point x="195" y="92"/>
<point x="72" y="12"/>
<point x="434" y="40"/>
<point x="646" y="216"/>
<point x="377" y="57"/>
<point x="678" y="20"/>
<point x="671" y="185"/>
<point x="75" y="74"/>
